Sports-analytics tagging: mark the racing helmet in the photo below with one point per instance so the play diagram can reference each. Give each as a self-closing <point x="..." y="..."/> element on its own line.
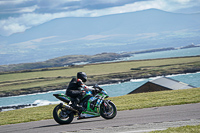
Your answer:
<point x="82" y="76"/>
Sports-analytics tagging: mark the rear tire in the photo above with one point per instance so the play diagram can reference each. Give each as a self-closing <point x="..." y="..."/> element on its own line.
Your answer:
<point x="62" y="116"/>
<point x="109" y="111"/>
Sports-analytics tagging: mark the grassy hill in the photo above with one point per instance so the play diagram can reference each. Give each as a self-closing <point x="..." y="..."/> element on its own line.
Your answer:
<point x="71" y="60"/>
<point x="41" y="80"/>
<point x="63" y="61"/>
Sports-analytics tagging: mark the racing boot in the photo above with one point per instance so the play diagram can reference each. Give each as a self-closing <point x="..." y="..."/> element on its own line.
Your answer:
<point x="76" y="106"/>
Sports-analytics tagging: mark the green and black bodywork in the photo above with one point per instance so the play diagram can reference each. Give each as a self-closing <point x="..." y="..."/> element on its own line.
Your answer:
<point x="93" y="104"/>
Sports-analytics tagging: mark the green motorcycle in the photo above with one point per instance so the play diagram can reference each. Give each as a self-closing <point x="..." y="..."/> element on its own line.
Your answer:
<point x="93" y="104"/>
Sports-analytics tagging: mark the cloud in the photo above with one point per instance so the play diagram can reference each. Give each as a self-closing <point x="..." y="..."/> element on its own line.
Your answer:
<point x="28" y="9"/>
<point x="20" y="15"/>
<point x="5" y="2"/>
<point x="8" y="29"/>
<point x="137" y="6"/>
<point x="95" y="37"/>
<point x="25" y="21"/>
<point x="31" y="44"/>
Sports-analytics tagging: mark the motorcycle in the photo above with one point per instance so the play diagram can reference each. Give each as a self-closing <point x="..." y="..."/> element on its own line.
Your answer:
<point x="93" y="105"/>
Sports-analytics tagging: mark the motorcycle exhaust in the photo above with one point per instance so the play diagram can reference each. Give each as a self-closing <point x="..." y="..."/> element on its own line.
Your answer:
<point x="68" y="107"/>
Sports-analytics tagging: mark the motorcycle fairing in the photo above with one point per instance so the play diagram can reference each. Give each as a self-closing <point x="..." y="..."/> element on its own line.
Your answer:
<point x="63" y="97"/>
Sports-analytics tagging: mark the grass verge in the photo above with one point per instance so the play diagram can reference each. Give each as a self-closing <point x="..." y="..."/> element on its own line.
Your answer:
<point x="182" y="129"/>
<point x="126" y="102"/>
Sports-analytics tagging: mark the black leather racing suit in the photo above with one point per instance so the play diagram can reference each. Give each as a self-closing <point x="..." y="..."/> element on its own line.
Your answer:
<point x="74" y="90"/>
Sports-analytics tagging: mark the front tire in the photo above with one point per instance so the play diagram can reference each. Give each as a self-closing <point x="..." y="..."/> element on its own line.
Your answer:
<point x="62" y="116"/>
<point x="108" y="110"/>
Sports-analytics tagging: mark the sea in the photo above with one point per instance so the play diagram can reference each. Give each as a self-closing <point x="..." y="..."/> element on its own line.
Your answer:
<point x="113" y="90"/>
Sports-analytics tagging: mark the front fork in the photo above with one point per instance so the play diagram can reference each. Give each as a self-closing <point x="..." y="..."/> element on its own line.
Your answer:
<point x="106" y="105"/>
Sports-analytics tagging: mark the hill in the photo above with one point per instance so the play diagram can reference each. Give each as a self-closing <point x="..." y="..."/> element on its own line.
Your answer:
<point x="134" y="31"/>
<point x="68" y="60"/>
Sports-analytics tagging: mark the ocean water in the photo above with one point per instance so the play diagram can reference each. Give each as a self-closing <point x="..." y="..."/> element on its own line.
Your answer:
<point x="124" y="88"/>
<point x="165" y="54"/>
<point x="113" y="89"/>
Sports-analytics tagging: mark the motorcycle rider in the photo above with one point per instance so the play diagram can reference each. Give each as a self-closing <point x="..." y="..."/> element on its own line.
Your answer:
<point x="74" y="90"/>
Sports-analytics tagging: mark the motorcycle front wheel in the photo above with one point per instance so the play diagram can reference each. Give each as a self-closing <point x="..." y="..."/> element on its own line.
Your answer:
<point x="108" y="110"/>
<point x="62" y="116"/>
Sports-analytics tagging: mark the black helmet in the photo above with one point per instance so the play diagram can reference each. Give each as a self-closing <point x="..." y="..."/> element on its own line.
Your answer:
<point x="82" y="76"/>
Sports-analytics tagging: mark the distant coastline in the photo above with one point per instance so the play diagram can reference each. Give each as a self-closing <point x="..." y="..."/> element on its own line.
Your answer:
<point x="73" y="60"/>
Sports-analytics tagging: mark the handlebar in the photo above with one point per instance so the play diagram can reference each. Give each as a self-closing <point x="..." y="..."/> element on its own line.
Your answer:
<point x="96" y="86"/>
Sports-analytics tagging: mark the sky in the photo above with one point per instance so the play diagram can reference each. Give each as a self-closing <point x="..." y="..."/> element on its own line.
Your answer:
<point x="19" y="15"/>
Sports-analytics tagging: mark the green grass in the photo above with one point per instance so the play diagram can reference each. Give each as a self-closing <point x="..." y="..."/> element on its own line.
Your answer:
<point x="126" y="102"/>
<point x="33" y="84"/>
<point x="98" y="69"/>
<point x="182" y="129"/>
<point x="26" y="115"/>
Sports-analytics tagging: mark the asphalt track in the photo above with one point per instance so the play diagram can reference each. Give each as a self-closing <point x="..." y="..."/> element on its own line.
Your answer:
<point x="147" y="119"/>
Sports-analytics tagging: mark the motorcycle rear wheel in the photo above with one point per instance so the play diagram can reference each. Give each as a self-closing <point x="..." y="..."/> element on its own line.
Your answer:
<point x="62" y="116"/>
<point x="109" y="111"/>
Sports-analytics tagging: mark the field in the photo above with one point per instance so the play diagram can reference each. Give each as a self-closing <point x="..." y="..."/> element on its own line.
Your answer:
<point x="38" y="80"/>
<point x="142" y="100"/>
<point x="183" y="129"/>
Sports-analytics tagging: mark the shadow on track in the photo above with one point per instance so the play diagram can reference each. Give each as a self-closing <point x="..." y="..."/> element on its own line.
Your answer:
<point x="88" y="121"/>
<point x="73" y="123"/>
<point x="47" y="126"/>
